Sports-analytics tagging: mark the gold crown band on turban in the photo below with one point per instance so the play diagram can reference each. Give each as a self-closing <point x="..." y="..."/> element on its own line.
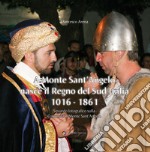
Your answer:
<point x="32" y="38"/>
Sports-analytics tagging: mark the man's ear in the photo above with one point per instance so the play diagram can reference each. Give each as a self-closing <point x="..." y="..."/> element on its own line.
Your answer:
<point x="29" y="57"/>
<point x="98" y="57"/>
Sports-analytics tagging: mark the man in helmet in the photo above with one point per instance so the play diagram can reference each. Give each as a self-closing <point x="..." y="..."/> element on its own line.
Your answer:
<point x="122" y="125"/>
<point x="25" y="125"/>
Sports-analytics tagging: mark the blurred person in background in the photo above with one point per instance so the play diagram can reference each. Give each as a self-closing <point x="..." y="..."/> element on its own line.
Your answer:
<point x="88" y="48"/>
<point x="145" y="61"/>
<point x="73" y="45"/>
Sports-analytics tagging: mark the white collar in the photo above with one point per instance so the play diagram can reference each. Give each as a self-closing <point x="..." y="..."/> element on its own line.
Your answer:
<point x="26" y="72"/>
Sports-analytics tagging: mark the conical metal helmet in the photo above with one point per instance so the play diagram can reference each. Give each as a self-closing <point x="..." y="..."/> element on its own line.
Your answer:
<point x="115" y="33"/>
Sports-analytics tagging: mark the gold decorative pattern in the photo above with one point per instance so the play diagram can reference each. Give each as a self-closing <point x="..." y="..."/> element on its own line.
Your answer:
<point x="32" y="38"/>
<point x="50" y="145"/>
